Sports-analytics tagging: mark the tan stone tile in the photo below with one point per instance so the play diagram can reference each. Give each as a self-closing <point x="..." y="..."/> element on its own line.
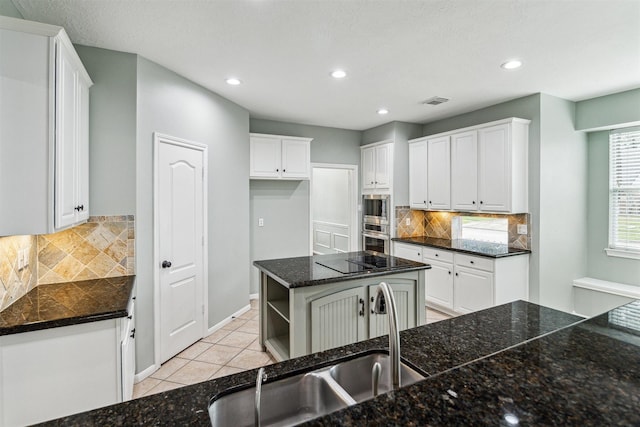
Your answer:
<point x="234" y="324"/>
<point x="194" y="372"/>
<point x="101" y="238"/>
<point x="251" y="327"/>
<point x="169" y="368"/>
<point x="255" y="345"/>
<point x="101" y="265"/>
<point x="216" y="336"/>
<point x="84" y="252"/>
<point x="116" y="227"/>
<point x="85" y="274"/>
<point x="117" y="271"/>
<point x="237" y="339"/>
<point x="247" y="315"/>
<point x="226" y="370"/>
<point x="66" y="240"/>
<point x="164" y="386"/>
<point x="144" y="386"/>
<point x="51" y="277"/>
<point x="116" y="250"/>
<point x="83" y="230"/>
<point x="68" y="268"/>
<point x="195" y="350"/>
<point x="50" y="255"/>
<point x="249" y="359"/>
<point x="254" y="303"/>
<point x="219" y="354"/>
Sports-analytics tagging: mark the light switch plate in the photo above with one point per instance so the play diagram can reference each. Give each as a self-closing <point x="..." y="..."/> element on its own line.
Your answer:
<point x="260" y="222"/>
<point x="522" y="228"/>
<point x="407" y="221"/>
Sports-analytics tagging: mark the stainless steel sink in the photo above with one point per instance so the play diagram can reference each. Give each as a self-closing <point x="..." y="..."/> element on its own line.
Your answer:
<point x="302" y="397"/>
<point x="354" y="376"/>
<point x="285" y="402"/>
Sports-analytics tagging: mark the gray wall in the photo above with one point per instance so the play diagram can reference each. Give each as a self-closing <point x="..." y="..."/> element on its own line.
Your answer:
<point x="112" y="127"/>
<point x="171" y="104"/>
<point x="8" y="9"/>
<point x="526" y="108"/>
<point x="284" y="205"/>
<point x="378" y="133"/>
<point x="606" y="112"/>
<point x="563" y="203"/>
<point x="601" y="266"/>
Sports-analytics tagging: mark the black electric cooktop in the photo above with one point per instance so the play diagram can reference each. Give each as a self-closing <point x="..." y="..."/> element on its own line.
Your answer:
<point x="363" y="263"/>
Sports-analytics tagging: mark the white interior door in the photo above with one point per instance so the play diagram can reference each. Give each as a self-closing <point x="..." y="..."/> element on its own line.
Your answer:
<point x="180" y="260"/>
<point x="333" y="209"/>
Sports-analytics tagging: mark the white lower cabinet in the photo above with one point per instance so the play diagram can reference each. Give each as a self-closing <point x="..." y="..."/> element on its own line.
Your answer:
<point x="410" y="252"/>
<point x="60" y="371"/>
<point x="458" y="283"/>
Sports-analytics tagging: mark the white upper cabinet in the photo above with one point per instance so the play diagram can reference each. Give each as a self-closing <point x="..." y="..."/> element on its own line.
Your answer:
<point x="439" y="173"/>
<point x="464" y="171"/>
<point x="376" y="167"/>
<point x="44" y="130"/>
<point x="488" y="168"/>
<point x="279" y="157"/>
<point x="418" y="175"/>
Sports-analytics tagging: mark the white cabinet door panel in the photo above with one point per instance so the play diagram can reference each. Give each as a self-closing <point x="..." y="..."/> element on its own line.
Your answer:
<point x="336" y="319"/>
<point x="464" y="171"/>
<point x="404" y="296"/>
<point x="439" y="173"/>
<point x="369" y="168"/>
<point x="383" y="167"/>
<point x="494" y="168"/>
<point x="296" y="160"/>
<point x="439" y="284"/>
<point x="473" y="290"/>
<point x="411" y="252"/>
<point x="418" y="175"/>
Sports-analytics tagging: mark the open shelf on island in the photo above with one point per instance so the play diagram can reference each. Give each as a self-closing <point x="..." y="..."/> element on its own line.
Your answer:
<point x="278" y="346"/>
<point x="281" y="307"/>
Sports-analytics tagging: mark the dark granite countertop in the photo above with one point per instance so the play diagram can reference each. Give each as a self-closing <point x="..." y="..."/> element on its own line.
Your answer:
<point x="305" y="271"/>
<point x="70" y="303"/>
<point x="472" y="247"/>
<point x="435" y="349"/>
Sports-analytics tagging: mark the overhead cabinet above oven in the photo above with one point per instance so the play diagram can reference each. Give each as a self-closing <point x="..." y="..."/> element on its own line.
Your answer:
<point x="44" y="130"/>
<point x="479" y="168"/>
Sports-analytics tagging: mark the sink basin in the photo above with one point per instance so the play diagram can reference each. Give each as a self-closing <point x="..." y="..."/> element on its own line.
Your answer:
<point x="285" y="402"/>
<point x="354" y="376"/>
<point x="305" y="396"/>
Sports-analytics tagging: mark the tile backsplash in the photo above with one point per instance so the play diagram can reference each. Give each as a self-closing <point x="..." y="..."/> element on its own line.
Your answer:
<point x="102" y="247"/>
<point x="14" y="283"/>
<point x="438" y="224"/>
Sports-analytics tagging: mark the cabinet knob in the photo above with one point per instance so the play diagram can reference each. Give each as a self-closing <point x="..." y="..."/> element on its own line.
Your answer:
<point x="371" y="182"/>
<point x="277" y="170"/>
<point x="133" y="333"/>
<point x="449" y="273"/>
<point x="473" y="203"/>
<point x="437" y="255"/>
<point x="376" y="182"/>
<point x="481" y="202"/>
<point x="284" y="170"/>
<point x="429" y="201"/>
<point x="471" y="262"/>
<point x="166" y="264"/>
<point x="79" y="208"/>
<point x="424" y="201"/>
<point x="456" y="274"/>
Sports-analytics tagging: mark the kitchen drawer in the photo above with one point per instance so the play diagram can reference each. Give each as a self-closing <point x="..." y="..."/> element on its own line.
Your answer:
<point x="480" y="263"/>
<point x="437" y="254"/>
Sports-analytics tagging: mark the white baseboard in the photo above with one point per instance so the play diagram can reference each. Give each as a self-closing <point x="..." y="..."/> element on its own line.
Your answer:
<point x="144" y="374"/>
<point x="229" y="319"/>
<point x="254" y="296"/>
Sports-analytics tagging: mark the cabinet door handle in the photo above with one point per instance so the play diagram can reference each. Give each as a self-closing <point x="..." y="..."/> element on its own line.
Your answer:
<point x="166" y="264"/>
<point x="277" y="170"/>
<point x="133" y="333"/>
<point x="449" y="273"/>
<point x="437" y="255"/>
<point x="130" y="317"/>
<point x="284" y="170"/>
<point x="481" y="202"/>
<point x="361" y="302"/>
<point x="456" y="274"/>
<point x="471" y="262"/>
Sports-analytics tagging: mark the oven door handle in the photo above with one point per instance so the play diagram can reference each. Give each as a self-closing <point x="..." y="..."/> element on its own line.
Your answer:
<point x="376" y="235"/>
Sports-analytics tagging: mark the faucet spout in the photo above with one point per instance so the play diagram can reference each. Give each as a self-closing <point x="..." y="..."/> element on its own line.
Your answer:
<point x="260" y="378"/>
<point x="385" y="304"/>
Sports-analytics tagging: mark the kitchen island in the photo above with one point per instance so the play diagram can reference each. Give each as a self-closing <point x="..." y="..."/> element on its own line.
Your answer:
<point x="314" y="303"/>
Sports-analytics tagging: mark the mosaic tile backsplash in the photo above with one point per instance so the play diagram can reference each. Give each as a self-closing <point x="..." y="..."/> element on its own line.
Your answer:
<point x="14" y="283"/>
<point x="438" y="224"/>
<point x="102" y="247"/>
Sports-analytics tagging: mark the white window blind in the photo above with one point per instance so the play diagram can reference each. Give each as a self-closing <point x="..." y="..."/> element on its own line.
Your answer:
<point x="624" y="190"/>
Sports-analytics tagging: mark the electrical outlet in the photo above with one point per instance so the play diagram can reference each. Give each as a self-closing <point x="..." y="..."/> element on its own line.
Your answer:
<point x="407" y="221"/>
<point x="260" y="222"/>
<point x="522" y="228"/>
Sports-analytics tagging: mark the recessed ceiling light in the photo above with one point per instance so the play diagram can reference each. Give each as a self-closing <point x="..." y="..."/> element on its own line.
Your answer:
<point x="512" y="65"/>
<point x="339" y="74"/>
<point x="233" y="81"/>
<point x="383" y="111"/>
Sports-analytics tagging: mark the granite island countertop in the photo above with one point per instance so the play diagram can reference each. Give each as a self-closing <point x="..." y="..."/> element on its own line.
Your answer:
<point x="480" y="367"/>
<point x="70" y="303"/>
<point x="309" y="271"/>
<point x="472" y="247"/>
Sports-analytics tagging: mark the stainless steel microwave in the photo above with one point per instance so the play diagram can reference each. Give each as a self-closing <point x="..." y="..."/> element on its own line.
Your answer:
<point x="375" y="209"/>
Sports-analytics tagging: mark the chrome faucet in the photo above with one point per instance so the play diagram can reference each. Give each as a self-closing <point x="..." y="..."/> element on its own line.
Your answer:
<point x="260" y="378"/>
<point x="385" y="304"/>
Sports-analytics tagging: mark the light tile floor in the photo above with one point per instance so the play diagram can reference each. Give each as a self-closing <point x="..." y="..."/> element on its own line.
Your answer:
<point x="231" y="349"/>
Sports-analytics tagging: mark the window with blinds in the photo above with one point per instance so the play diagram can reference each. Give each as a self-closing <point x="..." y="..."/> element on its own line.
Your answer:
<point x="624" y="192"/>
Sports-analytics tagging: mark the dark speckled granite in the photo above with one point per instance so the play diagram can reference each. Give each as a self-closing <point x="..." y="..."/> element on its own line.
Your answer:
<point x="71" y="303"/>
<point x="472" y="247"/>
<point x="434" y="349"/>
<point x="305" y="271"/>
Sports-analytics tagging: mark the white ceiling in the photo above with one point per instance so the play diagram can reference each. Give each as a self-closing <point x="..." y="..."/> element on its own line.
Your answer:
<point x="397" y="53"/>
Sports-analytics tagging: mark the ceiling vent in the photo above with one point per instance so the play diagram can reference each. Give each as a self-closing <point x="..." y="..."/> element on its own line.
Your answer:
<point x="436" y="100"/>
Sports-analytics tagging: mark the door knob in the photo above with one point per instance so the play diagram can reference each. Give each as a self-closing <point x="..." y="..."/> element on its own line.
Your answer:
<point x="166" y="264"/>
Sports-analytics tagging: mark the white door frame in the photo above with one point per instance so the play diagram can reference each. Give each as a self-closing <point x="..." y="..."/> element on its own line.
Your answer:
<point x="159" y="138"/>
<point x="355" y="220"/>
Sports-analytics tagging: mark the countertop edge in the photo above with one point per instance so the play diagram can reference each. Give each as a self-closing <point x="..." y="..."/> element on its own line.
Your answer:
<point x="465" y="251"/>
